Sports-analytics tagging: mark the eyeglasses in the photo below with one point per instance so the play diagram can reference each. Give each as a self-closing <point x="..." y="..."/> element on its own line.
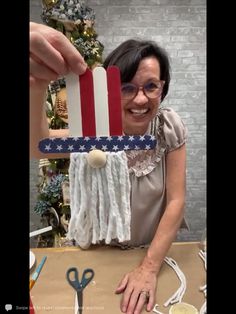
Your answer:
<point x="151" y="90"/>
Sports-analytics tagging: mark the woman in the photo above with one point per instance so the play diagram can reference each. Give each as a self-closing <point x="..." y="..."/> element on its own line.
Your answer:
<point x="157" y="176"/>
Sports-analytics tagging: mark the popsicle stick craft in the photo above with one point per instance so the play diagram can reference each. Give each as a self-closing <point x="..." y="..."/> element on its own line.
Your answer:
<point x="98" y="172"/>
<point x="94" y="116"/>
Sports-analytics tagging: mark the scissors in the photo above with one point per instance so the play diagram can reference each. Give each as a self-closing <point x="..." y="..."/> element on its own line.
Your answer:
<point x="72" y="276"/>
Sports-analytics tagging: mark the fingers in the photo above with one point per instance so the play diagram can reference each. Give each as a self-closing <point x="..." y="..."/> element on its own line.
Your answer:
<point x="72" y="57"/>
<point x="142" y="299"/>
<point x="133" y="301"/>
<point x="46" y="54"/>
<point x="52" y="55"/>
<point x="151" y="301"/>
<point x="128" y="301"/>
<point x="122" y="285"/>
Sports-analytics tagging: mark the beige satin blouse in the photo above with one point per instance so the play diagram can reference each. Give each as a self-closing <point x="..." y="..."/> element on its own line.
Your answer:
<point x="148" y="177"/>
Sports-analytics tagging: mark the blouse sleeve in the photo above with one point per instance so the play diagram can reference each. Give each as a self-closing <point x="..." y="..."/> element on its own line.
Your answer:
<point x="174" y="130"/>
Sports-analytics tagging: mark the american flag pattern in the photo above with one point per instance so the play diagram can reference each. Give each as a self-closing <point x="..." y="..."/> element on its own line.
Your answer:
<point x="104" y="143"/>
<point x="94" y="114"/>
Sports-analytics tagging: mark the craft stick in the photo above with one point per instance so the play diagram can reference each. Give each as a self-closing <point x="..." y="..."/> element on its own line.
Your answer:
<point x="101" y="102"/>
<point x="114" y="100"/>
<point x="74" y="105"/>
<point x="87" y="103"/>
<point x="37" y="232"/>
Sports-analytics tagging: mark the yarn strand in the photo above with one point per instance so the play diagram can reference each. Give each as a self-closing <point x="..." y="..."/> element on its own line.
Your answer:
<point x="178" y="295"/>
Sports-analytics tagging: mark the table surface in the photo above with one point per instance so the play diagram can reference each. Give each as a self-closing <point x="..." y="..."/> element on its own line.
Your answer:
<point x="52" y="293"/>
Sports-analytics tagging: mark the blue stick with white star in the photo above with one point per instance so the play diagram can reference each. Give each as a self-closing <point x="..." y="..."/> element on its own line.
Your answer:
<point x="104" y="143"/>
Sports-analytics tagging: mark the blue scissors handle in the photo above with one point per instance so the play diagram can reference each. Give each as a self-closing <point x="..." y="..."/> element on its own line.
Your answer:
<point x="72" y="276"/>
<point x="87" y="276"/>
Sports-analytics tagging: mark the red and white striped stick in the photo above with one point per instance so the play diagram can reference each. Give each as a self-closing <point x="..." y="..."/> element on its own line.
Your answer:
<point x="94" y="116"/>
<point x="94" y="103"/>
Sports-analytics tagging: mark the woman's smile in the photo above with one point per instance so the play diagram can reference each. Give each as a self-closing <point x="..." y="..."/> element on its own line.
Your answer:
<point x="138" y="112"/>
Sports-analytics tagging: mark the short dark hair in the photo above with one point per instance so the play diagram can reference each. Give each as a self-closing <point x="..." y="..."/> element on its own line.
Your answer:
<point x="130" y="53"/>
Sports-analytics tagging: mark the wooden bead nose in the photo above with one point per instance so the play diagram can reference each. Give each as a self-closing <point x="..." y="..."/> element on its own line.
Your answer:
<point x="96" y="158"/>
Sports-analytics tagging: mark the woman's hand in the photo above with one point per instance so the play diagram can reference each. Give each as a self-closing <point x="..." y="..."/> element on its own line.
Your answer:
<point x="51" y="55"/>
<point x="139" y="288"/>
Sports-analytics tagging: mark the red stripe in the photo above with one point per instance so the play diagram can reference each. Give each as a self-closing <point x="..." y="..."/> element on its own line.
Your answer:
<point x="114" y="100"/>
<point x="87" y="104"/>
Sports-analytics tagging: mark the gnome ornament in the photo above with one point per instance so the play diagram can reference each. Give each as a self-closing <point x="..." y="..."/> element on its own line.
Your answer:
<point x="98" y="172"/>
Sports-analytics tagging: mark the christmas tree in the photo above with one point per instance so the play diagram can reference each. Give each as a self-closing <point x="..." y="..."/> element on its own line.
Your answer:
<point x="76" y="21"/>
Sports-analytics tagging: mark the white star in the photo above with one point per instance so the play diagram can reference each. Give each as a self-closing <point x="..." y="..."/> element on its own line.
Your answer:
<point x="52" y="138"/>
<point x="126" y="147"/>
<point x="153" y="138"/>
<point x="64" y="139"/>
<point x="147" y="147"/>
<point x="81" y="147"/>
<point x="104" y="147"/>
<point x="70" y="147"/>
<point x="87" y="138"/>
<point x="93" y="147"/>
<point x="115" y="147"/>
<point x="120" y="138"/>
<point x="142" y="137"/>
<point x="131" y="138"/>
<point x="59" y="147"/>
<point x="136" y="147"/>
<point x="75" y="138"/>
<point x="109" y="138"/>
<point x="98" y="138"/>
<point x="48" y="147"/>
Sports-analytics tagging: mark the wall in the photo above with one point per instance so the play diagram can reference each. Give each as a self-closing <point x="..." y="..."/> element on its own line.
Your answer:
<point x="180" y="27"/>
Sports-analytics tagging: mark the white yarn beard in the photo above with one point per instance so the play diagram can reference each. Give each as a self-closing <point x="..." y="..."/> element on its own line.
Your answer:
<point x="99" y="200"/>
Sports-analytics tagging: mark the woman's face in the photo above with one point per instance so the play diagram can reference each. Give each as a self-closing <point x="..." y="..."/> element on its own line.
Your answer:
<point x="138" y="112"/>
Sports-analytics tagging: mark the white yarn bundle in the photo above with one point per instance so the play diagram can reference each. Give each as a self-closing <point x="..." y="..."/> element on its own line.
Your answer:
<point x="100" y="200"/>
<point x="178" y="295"/>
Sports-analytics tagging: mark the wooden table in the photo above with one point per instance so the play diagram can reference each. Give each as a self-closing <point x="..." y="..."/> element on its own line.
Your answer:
<point x="52" y="293"/>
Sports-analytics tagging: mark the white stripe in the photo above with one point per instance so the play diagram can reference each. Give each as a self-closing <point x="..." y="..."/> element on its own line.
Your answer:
<point x="101" y="101"/>
<point x="74" y="105"/>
